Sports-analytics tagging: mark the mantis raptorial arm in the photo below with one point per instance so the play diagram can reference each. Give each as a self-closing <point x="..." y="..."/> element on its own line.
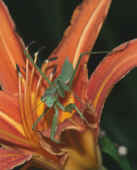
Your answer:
<point x="81" y="55"/>
<point x="76" y="68"/>
<point x="37" y="67"/>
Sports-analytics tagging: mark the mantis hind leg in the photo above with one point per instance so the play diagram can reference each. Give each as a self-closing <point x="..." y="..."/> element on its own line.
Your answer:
<point x="71" y="107"/>
<point x="79" y="112"/>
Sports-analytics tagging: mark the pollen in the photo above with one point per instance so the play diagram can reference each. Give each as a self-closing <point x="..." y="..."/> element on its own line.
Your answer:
<point x="40" y="108"/>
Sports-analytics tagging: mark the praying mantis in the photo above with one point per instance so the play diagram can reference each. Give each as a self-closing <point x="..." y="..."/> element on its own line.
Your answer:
<point x="58" y="89"/>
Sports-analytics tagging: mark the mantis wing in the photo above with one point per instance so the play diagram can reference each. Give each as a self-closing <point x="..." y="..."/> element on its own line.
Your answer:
<point x="67" y="71"/>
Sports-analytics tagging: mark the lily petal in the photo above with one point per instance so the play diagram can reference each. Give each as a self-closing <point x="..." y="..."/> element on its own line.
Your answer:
<point x="6" y="101"/>
<point x="10" y="158"/>
<point x="11" y="51"/>
<point x="11" y="126"/>
<point x="112" y="69"/>
<point x="80" y="37"/>
<point x="83" y="151"/>
<point x="84" y="28"/>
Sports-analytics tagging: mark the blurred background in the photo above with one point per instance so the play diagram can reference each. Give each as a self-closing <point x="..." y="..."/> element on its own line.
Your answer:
<point x="44" y="21"/>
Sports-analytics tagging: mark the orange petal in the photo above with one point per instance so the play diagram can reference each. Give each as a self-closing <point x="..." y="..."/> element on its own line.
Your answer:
<point x="113" y="68"/>
<point x="84" y="28"/>
<point x="10" y="158"/>
<point x="83" y="152"/>
<point x="80" y="37"/>
<point x="11" y="129"/>
<point x="80" y="85"/>
<point x="11" y="51"/>
<point x="9" y="104"/>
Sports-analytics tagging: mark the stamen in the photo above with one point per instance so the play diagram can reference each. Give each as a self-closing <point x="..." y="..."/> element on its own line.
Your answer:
<point x="30" y="87"/>
<point x="27" y="107"/>
<point x="38" y="84"/>
<point x="22" y="108"/>
<point x="52" y="73"/>
<point x="19" y="72"/>
<point x="17" y="68"/>
<point x="1" y="88"/>
<point x="13" y="137"/>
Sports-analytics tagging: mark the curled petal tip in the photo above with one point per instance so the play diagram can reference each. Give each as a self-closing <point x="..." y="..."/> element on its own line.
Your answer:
<point x="111" y="70"/>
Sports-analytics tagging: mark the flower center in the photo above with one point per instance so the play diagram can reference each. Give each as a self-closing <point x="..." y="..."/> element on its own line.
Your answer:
<point x="48" y="117"/>
<point x="68" y="100"/>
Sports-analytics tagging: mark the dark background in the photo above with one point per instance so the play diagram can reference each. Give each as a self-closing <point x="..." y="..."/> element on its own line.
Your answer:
<point x="45" y="20"/>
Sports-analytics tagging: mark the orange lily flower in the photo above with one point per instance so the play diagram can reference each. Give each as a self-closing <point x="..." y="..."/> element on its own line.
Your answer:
<point x="21" y="92"/>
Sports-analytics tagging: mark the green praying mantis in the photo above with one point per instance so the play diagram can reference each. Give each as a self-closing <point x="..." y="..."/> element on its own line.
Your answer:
<point x="57" y="89"/>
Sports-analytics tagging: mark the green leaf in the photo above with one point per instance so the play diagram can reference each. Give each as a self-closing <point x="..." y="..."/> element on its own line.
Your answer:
<point x="109" y="148"/>
<point x="67" y="71"/>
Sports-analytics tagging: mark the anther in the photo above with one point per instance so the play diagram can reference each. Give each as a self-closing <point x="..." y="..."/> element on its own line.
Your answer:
<point x="17" y="68"/>
<point x="50" y="59"/>
<point x="53" y="72"/>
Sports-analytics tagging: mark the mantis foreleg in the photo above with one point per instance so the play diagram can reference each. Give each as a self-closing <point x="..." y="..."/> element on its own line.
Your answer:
<point x="37" y="67"/>
<point x="76" y="68"/>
